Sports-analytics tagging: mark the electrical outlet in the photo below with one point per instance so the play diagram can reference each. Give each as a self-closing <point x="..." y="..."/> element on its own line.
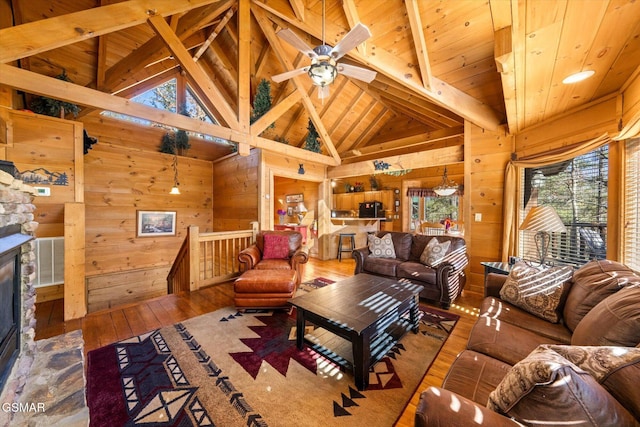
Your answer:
<point x="478" y="217"/>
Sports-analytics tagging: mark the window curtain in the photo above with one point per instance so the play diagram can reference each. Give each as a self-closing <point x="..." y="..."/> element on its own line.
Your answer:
<point x="510" y="202"/>
<point x="510" y="207"/>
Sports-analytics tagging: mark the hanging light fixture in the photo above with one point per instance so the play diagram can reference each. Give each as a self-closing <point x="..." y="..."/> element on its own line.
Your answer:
<point x="446" y="187"/>
<point x="175" y="189"/>
<point x="323" y="70"/>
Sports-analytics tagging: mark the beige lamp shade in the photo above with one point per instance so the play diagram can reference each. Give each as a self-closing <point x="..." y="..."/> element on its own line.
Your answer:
<point x="543" y="218"/>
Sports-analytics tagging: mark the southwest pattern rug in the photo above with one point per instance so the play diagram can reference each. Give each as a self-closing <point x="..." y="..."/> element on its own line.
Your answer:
<point x="230" y="368"/>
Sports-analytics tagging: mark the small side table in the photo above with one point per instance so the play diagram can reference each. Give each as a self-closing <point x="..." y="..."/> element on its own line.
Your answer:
<point x="496" y="267"/>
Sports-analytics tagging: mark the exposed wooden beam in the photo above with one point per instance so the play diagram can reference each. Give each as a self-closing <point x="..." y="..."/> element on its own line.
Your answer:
<point x="214" y="33"/>
<point x="40" y="36"/>
<point x="415" y="22"/>
<point x="440" y="156"/>
<point x="422" y="138"/>
<point x="386" y="63"/>
<point x="418" y="148"/>
<point x="203" y="84"/>
<point x="124" y="73"/>
<point x="298" y="8"/>
<point x="268" y="31"/>
<point x="51" y="87"/>
<point x="274" y="113"/>
<point x="509" y="57"/>
<point x="353" y="18"/>
<point x="244" y="73"/>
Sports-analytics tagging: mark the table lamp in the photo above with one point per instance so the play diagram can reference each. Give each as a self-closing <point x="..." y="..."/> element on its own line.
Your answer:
<point x="301" y="210"/>
<point x="543" y="220"/>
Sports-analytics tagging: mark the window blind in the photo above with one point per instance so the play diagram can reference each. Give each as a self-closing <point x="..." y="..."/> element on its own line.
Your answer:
<point x="577" y="189"/>
<point x="631" y="228"/>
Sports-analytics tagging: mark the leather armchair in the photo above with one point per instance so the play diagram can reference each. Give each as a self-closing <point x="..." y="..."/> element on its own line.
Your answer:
<point x="252" y="258"/>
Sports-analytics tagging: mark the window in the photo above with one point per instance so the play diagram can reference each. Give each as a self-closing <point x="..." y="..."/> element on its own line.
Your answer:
<point x="164" y="97"/>
<point x="577" y="190"/>
<point x="426" y="206"/>
<point x="631" y="226"/>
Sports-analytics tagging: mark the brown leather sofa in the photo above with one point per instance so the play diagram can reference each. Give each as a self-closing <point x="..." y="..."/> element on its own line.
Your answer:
<point x="252" y="257"/>
<point x="442" y="284"/>
<point x="600" y="315"/>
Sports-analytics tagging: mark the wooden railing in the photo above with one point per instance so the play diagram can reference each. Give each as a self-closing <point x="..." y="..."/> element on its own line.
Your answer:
<point x="208" y="258"/>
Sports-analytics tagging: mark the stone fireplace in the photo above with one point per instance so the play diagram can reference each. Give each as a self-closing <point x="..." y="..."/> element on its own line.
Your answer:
<point x="18" y="272"/>
<point x="43" y="383"/>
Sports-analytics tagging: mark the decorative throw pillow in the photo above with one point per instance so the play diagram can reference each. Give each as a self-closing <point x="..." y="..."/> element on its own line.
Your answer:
<point x="539" y="291"/>
<point x="434" y="252"/>
<point x="545" y="376"/>
<point x="381" y="247"/>
<point x="276" y="246"/>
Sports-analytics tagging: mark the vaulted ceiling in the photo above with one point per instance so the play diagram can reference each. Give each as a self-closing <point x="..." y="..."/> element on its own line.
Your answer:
<point x="438" y="63"/>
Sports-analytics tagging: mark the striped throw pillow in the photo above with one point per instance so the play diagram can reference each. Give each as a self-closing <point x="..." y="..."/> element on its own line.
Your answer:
<point x="539" y="291"/>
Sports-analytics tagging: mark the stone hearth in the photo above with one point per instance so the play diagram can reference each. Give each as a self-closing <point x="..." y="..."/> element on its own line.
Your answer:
<point x="46" y="385"/>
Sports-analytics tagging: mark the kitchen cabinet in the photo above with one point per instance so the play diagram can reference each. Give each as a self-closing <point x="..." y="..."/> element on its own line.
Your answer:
<point x="351" y="201"/>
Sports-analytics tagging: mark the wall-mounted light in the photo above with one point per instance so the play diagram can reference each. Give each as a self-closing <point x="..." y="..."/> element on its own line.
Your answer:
<point x="301" y="169"/>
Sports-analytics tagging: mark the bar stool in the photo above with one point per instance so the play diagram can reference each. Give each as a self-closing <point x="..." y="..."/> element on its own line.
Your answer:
<point x="352" y="237"/>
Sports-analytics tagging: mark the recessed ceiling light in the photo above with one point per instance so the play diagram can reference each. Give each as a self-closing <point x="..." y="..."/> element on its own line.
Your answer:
<point x="578" y="77"/>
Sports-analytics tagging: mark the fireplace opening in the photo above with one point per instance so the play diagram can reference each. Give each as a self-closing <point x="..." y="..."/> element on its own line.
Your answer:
<point x="10" y="299"/>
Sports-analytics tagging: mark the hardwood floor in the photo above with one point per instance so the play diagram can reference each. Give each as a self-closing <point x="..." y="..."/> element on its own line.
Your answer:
<point x="108" y="326"/>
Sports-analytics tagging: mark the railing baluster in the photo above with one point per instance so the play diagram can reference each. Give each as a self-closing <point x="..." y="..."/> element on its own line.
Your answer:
<point x="217" y="263"/>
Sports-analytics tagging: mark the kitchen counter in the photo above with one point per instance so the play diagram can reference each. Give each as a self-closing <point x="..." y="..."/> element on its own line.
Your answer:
<point x="361" y="227"/>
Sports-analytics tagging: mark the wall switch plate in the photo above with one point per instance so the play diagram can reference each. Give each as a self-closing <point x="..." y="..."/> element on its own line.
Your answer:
<point x="478" y="217"/>
<point x="43" y="191"/>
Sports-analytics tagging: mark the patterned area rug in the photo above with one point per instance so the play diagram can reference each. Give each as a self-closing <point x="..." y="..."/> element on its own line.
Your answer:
<point x="230" y="368"/>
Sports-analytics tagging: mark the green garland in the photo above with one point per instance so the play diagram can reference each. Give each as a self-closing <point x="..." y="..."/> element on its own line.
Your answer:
<point x="262" y="102"/>
<point x="53" y="107"/>
<point x="312" y="142"/>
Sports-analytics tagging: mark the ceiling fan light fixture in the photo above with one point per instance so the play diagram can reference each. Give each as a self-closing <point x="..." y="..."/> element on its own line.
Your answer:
<point x="578" y="77"/>
<point x="323" y="71"/>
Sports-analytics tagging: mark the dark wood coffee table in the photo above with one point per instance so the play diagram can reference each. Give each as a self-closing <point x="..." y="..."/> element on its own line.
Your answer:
<point x="360" y="319"/>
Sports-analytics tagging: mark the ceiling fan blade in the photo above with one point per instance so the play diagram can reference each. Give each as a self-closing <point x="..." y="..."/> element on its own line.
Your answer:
<point x="359" y="73"/>
<point x="292" y="38"/>
<point x="357" y="35"/>
<point x="288" y="74"/>
<point x="323" y="92"/>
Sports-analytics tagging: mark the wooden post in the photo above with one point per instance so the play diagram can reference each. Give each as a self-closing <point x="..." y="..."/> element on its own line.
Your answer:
<point x="194" y="257"/>
<point x="255" y="227"/>
<point x="75" y="293"/>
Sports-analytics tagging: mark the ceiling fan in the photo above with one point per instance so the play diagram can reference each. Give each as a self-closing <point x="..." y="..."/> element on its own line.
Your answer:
<point x="324" y="66"/>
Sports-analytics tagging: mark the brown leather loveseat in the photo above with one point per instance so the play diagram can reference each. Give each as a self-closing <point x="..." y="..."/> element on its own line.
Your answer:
<point x="581" y="368"/>
<point x="442" y="283"/>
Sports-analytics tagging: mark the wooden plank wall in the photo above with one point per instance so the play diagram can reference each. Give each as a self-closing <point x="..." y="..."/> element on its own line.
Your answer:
<point x="274" y="165"/>
<point x="47" y="143"/>
<point x="147" y="138"/>
<point x="235" y="195"/>
<point x="120" y="180"/>
<point x="486" y="156"/>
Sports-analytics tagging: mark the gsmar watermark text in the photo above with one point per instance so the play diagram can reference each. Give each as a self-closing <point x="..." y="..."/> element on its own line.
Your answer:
<point x="23" y="407"/>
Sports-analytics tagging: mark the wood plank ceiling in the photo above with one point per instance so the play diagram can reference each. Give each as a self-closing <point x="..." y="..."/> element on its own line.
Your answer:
<point x="437" y="62"/>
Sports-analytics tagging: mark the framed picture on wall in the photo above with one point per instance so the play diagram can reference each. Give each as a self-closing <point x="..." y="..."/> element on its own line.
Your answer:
<point x="290" y="211"/>
<point x="294" y="198"/>
<point x="156" y="223"/>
